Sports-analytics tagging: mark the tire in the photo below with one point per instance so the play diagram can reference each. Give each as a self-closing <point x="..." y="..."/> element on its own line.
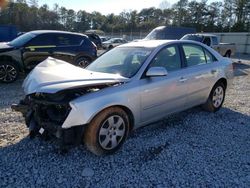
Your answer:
<point x="9" y="72"/>
<point x="83" y="62"/>
<point x="228" y="54"/>
<point x="101" y="136"/>
<point x="216" y="98"/>
<point x="110" y="47"/>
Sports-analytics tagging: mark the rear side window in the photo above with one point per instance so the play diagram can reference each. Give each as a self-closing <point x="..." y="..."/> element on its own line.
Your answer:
<point x="68" y="40"/>
<point x="168" y="58"/>
<point x="87" y="42"/>
<point x="194" y="55"/>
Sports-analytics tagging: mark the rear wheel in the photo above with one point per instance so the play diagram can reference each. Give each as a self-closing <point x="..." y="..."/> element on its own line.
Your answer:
<point x="110" y="47"/>
<point x="83" y="62"/>
<point x="107" y="131"/>
<point x="8" y="72"/>
<point x="216" y="98"/>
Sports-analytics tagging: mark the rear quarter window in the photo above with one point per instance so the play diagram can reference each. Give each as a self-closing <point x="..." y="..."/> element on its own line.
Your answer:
<point x="87" y="42"/>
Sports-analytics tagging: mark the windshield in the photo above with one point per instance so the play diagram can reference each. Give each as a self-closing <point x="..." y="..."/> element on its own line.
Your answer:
<point x="22" y="40"/>
<point x="197" y="38"/>
<point x="151" y="35"/>
<point x="157" y="33"/>
<point x="123" y="61"/>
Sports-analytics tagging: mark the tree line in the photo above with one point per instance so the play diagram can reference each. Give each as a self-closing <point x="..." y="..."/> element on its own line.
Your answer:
<point x="226" y="16"/>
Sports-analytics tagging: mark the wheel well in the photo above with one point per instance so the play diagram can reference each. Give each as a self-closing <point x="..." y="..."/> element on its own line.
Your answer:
<point x="9" y="58"/>
<point x="130" y="116"/>
<point x="84" y="56"/>
<point x="224" y="81"/>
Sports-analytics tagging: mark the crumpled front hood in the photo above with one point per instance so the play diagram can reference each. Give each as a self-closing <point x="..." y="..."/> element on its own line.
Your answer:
<point x="4" y="47"/>
<point x="54" y="75"/>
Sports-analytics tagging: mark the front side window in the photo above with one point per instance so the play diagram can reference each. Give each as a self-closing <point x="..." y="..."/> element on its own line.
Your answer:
<point x="168" y="58"/>
<point x="194" y="55"/>
<point x="42" y="40"/>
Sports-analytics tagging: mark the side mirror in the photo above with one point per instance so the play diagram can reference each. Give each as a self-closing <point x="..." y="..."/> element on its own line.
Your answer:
<point x="156" y="71"/>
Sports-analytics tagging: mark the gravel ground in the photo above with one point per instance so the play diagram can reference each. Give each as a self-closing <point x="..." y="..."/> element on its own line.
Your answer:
<point x="190" y="149"/>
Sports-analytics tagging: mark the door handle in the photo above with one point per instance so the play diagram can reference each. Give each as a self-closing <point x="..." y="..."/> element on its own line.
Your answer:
<point x="183" y="79"/>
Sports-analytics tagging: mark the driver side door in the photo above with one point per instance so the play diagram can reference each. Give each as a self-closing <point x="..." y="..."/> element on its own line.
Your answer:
<point x="37" y="50"/>
<point x="164" y="94"/>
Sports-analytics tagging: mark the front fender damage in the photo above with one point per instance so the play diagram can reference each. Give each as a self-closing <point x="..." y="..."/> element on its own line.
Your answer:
<point x="45" y="114"/>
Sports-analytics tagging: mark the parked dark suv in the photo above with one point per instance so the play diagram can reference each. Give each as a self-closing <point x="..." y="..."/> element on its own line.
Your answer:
<point x="26" y="51"/>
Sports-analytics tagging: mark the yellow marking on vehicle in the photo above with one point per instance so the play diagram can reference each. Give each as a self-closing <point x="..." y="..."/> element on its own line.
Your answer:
<point x="33" y="48"/>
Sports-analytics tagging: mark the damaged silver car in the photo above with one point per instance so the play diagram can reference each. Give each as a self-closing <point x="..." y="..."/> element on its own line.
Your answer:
<point x="126" y="88"/>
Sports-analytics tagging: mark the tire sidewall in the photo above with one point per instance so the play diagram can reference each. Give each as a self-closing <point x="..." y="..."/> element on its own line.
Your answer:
<point x="81" y="59"/>
<point x="97" y="123"/>
<point x="126" y="122"/>
<point x="215" y="109"/>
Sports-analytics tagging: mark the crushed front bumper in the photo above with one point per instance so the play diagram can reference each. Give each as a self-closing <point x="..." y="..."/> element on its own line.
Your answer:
<point x="45" y="118"/>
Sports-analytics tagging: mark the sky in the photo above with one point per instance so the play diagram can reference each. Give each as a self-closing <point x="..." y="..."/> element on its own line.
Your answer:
<point x="106" y="6"/>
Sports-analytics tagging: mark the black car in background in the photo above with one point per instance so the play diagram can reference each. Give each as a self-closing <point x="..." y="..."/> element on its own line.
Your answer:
<point x="95" y="39"/>
<point x="26" y="51"/>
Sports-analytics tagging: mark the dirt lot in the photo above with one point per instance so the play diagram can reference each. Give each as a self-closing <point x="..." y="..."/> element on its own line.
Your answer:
<point x="192" y="148"/>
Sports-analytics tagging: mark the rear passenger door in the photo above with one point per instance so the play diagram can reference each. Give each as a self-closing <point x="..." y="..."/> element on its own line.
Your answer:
<point x="68" y="46"/>
<point x="200" y="73"/>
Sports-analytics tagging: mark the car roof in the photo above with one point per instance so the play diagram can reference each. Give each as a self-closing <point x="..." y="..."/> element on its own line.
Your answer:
<point x="39" y="32"/>
<point x="203" y="34"/>
<point x="148" y="43"/>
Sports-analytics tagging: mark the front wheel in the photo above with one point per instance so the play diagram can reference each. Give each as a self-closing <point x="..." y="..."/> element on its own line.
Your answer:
<point x="216" y="98"/>
<point x="107" y="131"/>
<point x="8" y="72"/>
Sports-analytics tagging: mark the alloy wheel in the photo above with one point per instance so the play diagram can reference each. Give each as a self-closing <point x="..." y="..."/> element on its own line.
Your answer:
<point x="83" y="63"/>
<point x="112" y="132"/>
<point x="8" y="73"/>
<point x="218" y="96"/>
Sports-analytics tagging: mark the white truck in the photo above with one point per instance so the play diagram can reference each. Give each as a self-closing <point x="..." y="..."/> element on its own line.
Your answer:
<point x="225" y="49"/>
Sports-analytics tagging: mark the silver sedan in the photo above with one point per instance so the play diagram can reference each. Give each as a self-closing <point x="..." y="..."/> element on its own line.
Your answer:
<point x="126" y="88"/>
